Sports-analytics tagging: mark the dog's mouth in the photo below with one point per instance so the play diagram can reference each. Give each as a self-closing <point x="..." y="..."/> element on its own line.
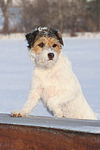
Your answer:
<point x="47" y="58"/>
<point x="49" y="61"/>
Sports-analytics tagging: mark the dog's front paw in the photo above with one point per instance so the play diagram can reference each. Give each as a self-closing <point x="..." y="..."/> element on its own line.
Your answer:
<point x="59" y="114"/>
<point x="18" y="113"/>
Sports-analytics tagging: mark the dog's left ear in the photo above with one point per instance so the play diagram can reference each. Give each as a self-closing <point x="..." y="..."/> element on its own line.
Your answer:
<point x="57" y="34"/>
<point x="60" y="38"/>
<point x="31" y="38"/>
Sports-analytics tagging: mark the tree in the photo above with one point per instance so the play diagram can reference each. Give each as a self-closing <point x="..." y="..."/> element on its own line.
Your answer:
<point x="66" y="15"/>
<point x="4" y="5"/>
<point x="33" y="14"/>
<point x="95" y="13"/>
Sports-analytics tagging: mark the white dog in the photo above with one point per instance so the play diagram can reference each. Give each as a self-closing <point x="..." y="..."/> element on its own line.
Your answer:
<point x="53" y="79"/>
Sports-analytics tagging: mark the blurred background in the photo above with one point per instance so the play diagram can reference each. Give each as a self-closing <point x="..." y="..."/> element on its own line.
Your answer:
<point x="69" y="16"/>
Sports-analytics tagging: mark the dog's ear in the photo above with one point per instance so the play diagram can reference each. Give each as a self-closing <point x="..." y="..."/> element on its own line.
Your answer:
<point x="60" y="38"/>
<point x="31" y="38"/>
<point x="56" y="33"/>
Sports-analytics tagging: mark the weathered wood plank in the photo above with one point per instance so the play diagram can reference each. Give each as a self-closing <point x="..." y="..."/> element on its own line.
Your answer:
<point x="43" y="133"/>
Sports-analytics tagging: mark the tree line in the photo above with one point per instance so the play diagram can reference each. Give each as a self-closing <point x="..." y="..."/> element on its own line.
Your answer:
<point x="69" y="16"/>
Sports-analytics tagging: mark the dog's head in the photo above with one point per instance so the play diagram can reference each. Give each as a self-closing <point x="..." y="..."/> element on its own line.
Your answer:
<point x="44" y="46"/>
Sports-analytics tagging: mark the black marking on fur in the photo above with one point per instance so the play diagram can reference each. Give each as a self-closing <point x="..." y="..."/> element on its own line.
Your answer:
<point x="31" y="38"/>
<point x="42" y="31"/>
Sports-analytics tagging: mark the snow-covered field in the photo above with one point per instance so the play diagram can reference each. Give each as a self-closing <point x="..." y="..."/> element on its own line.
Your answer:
<point x="16" y="72"/>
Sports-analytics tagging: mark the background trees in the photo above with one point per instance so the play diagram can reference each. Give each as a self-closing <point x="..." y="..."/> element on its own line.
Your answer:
<point x="4" y="5"/>
<point x="66" y="15"/>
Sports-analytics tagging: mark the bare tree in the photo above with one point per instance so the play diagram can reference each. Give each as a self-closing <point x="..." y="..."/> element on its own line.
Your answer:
<point x="95" y="14"/>
<point x="66" y="15"/>
<point x="42" y="12"/>
<point x="5" y="9"/>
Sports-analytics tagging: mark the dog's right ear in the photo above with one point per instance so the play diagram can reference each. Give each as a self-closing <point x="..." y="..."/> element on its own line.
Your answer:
<point x="31" y="38"/>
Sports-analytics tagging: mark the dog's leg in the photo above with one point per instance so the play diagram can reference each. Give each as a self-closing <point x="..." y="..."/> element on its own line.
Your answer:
<point x="54" y="107"/>
<point x="58" y="112"/>
<point x="32" y="101"/>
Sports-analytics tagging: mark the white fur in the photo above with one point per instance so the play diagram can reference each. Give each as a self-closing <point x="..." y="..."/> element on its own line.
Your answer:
<point x="42" y="60"/>
<point x="57" y="86"/>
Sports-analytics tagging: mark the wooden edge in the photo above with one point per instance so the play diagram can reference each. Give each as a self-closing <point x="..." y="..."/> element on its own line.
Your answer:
<point x="78" y="125"/>
<point x="48" y="133"/>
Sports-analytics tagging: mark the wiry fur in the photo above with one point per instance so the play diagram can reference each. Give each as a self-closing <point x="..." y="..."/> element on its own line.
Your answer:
<point x="55" y="83"/>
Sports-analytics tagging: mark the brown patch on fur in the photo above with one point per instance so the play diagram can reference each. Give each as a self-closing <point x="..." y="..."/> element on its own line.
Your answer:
<point x="48" y="43"/>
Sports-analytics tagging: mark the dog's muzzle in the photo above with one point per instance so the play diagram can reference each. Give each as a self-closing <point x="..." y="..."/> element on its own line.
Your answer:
<point x="50" y="56"/>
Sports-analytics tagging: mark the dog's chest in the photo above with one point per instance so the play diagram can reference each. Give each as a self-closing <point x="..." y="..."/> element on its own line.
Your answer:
<point x="49" y="84"/>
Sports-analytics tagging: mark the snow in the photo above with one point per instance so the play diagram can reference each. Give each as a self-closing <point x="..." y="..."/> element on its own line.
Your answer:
<point x="12" y="36"/>
<point x="78" y="34"/>
<point x="84" y="34"/>
<point x="16" y="72"/>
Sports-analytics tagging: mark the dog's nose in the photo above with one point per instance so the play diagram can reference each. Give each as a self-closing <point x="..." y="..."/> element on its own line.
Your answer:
<point x="50" y="55"/>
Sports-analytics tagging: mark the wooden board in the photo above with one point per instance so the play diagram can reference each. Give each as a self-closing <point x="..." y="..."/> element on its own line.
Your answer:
<point x="43" y="133"/>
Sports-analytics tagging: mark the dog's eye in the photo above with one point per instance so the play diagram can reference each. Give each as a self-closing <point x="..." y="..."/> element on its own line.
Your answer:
<point x="41" y="44"/>
<point x="54" y="45"/>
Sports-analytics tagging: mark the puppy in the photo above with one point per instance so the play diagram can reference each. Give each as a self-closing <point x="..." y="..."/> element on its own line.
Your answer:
<point x="53" y="79"/>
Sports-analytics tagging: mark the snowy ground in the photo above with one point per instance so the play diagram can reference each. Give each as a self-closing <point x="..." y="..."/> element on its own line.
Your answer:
<point x="16" y="72"/>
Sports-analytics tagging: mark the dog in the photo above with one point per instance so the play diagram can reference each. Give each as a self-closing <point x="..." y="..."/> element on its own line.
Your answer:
<point x="53" y="79"/>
